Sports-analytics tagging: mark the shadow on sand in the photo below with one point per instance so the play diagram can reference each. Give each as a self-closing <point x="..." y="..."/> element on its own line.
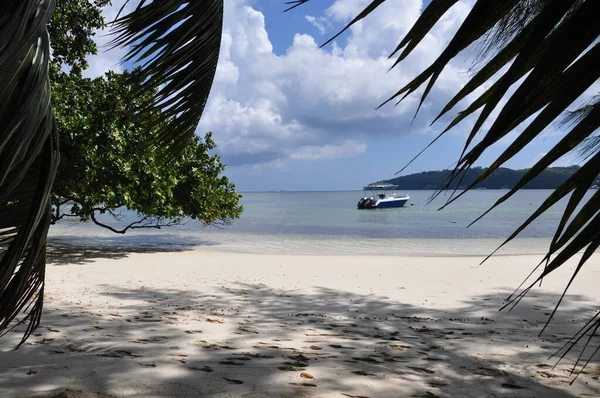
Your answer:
<point x="250" y="340"/>
<point x="80" y="250"/>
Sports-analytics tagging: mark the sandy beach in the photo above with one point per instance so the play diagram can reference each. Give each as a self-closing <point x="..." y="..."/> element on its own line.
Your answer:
<point x="216" y="324"/>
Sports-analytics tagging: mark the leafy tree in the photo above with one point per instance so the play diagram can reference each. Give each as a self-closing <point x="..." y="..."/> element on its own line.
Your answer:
<point x="173" y="86"/>
<point x="109" y="161"/>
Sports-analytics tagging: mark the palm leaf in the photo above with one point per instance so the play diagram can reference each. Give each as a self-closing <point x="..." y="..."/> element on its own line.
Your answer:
<point x="552" y="46"/>
<point x="177" y="44"/>
<point x="28" y="160"/>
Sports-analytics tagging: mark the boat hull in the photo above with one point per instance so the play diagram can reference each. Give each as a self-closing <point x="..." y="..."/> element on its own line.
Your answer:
<point x="386" y="204"/>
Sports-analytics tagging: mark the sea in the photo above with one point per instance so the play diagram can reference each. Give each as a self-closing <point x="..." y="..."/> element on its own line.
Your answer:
<point x="329" y="223"/>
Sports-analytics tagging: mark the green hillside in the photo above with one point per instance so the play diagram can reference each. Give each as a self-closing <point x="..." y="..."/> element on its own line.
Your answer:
<point x="500" y="179"/>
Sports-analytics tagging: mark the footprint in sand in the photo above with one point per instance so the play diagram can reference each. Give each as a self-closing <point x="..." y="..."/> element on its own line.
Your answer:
<point x="426" y="394"/>
<point x="193" y="331"/>
<point x="341" y="347"/>
<point x="242" y="330"/>
<point x="432" y="359"/>
<point x="399" y="347"/>
<point x="217" y="347"/>
<point x="148" y="365"/>
<point x="512" y="386"/>
<point x="366" y="359"/>
<point x="43" y="341"/>
<point x="362" y="373"/>
<point x="214" y="320"/>
<point x="233" y="381"/>
<point x="206" y="369"/>
<point x="249" y="355"/>
<point x="481" y="371"/>
<point x="422" y="370"/>
<point x="232" y="363"/>
<point x="437" y="384"/>
<point x="315" y="347"/>
<point x="298" y="363"/>
<point x="354" y="396"/>
<point x="156" y="339"/>
<point x="118" y="354"/>
<point x="547" y="375"/>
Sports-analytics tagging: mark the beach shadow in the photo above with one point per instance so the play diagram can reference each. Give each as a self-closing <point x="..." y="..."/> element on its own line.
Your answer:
<point x="251" y="340"/>
<point x="68" y="250"/>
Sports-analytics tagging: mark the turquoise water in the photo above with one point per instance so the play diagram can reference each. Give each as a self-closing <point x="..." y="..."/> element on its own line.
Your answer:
<point x="329" y="223"/>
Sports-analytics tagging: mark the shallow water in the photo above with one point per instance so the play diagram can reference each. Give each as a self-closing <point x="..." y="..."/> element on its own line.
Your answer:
<point x="329" y="223"/>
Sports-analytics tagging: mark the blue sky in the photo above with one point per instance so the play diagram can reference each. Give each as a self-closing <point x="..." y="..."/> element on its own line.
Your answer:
<point x="287" y="115"/>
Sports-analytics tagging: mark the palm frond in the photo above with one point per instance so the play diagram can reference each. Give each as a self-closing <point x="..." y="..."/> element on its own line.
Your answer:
<point x="176" y="43"/>
<point x="28" y="160"/>
<point x="552" y="48"/>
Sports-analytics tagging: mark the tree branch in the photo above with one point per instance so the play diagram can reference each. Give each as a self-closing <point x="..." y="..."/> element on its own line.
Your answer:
<point x="135" y="225"/>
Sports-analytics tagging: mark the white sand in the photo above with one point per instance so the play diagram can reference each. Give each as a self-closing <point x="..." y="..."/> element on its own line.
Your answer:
<point x="212" y="324"/>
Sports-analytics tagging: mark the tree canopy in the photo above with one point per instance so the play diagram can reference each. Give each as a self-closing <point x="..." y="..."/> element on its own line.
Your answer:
<point x="108" y="160"/>
<point x="178" y="54"/>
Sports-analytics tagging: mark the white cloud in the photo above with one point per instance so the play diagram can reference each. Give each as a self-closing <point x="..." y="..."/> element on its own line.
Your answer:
<point x="311" y="103"/>
<point x="321" y="23"/>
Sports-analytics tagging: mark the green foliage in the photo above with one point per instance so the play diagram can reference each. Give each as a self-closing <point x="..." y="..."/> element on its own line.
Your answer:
<point x="108" y="160"/>
<point x="177" y="80"/>
<point x="71" y="30"/>
<point x="501" y="178"/>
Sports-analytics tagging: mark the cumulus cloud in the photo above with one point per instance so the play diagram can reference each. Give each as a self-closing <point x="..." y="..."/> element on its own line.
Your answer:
<point x="310" y="103"/>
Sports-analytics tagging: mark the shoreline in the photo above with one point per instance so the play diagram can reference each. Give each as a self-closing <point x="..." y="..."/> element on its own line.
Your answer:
<point x="221" y="324"/>
<point x="407" y="247"/>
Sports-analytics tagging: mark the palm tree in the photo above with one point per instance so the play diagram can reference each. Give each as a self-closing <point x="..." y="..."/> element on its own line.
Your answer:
<point x="551" y="45"/>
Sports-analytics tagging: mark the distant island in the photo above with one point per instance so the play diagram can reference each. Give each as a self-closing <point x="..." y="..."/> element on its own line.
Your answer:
<point x="503" y="178"/>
